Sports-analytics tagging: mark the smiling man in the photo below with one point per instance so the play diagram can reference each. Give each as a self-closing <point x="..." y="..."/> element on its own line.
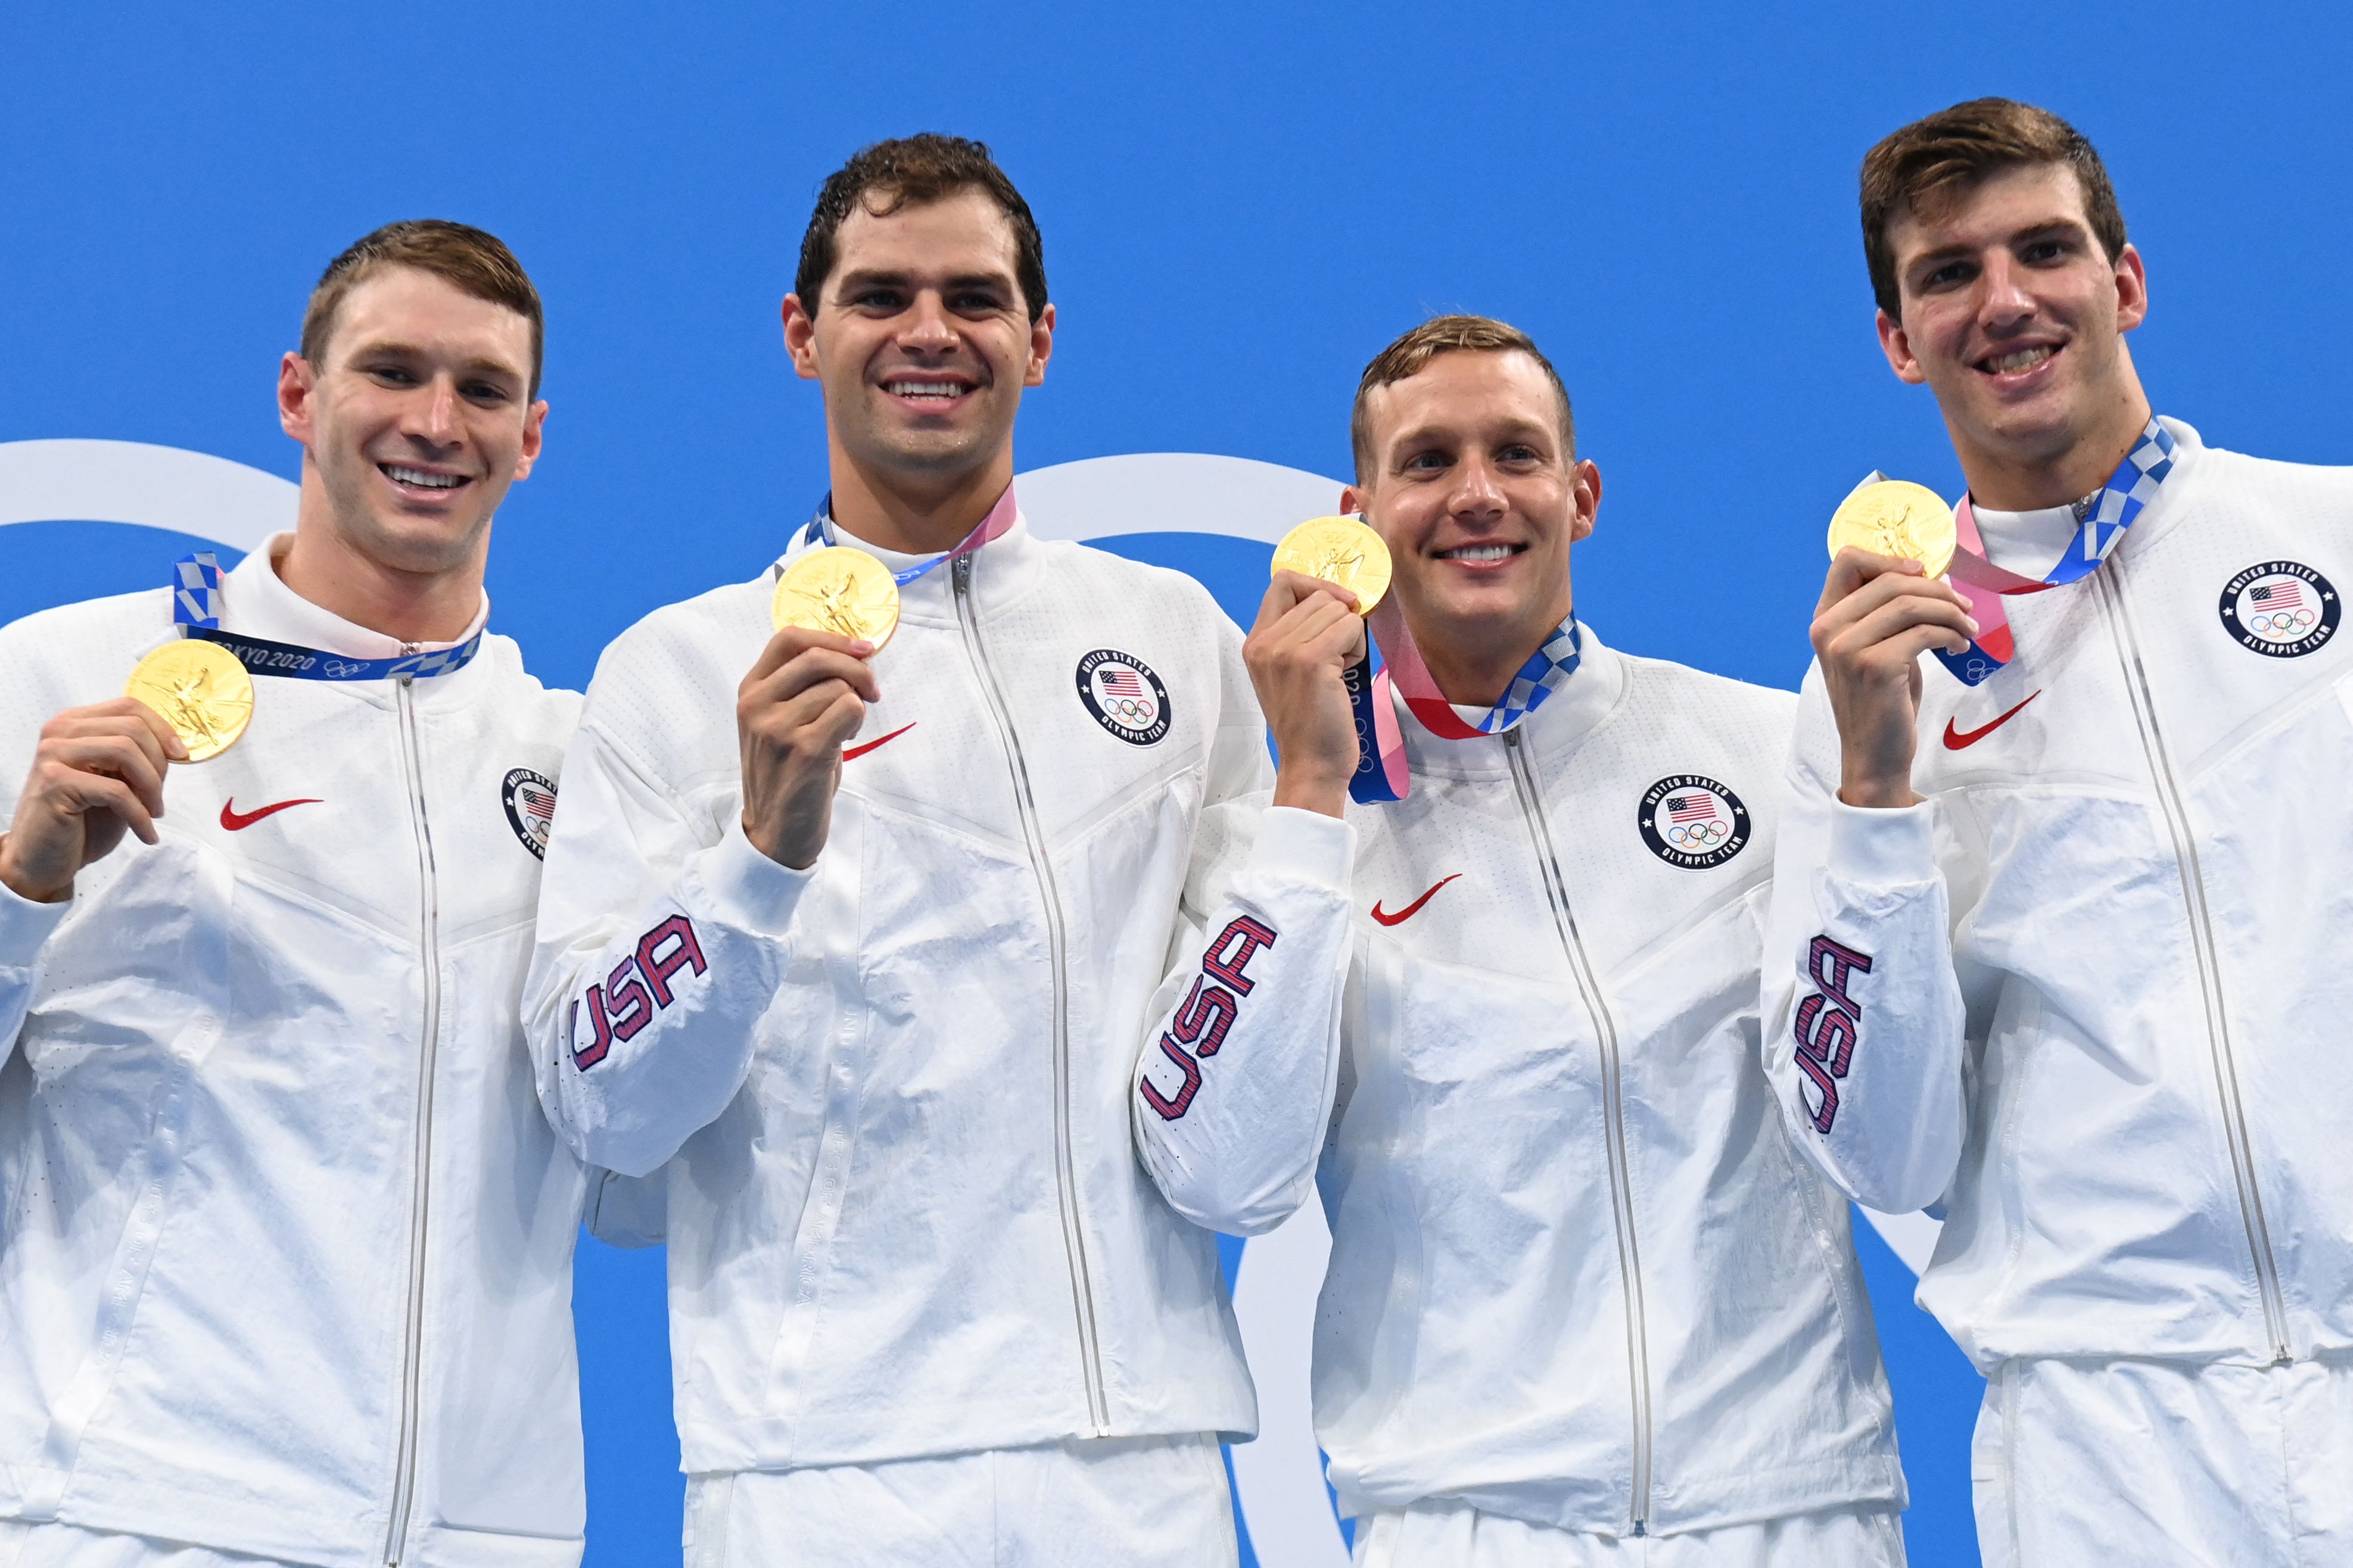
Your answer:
<point x="285" y="1274"/>
<point x="871" y="1006"/>
<point x="2058" y="940"/>
<point x="1586" y="1307"/>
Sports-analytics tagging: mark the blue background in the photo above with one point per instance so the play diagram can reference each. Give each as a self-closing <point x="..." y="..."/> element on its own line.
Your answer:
<point x="1241" y="203"/>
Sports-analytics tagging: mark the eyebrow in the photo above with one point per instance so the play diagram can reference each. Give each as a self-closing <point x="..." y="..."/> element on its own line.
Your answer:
<point x="477" y="366"/>
<point x="871" y="277"/>
<point x="1517" y="429"/>
<point x="2071" y="227"/>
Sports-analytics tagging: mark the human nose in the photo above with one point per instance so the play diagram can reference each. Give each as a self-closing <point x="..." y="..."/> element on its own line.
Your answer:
<point x="2003" y="297"/>
<point x="928" y="326"/>
<point x="435" y="417"/>
<point x="1478" y="490"/>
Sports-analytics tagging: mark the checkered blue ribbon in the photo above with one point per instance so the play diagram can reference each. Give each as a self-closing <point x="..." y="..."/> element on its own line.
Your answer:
<point x="196" y="601"/>
<point x="2106" y="516"/>
<point x="1546" y="672"/>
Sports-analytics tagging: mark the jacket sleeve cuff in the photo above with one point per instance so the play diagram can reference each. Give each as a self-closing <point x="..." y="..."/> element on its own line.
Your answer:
<point x="1304" y="846"/>
<point x="1883" y="846"/>
<point x="25" y="926"/>
<point x="744" y="888"/>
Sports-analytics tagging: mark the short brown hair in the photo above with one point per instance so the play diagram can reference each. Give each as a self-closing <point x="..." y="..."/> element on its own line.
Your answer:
<point x="917" y="170"/>
<point x="1931" y="162"/>
<point x="1440" y="335"/>
<point x="476" y="263"/>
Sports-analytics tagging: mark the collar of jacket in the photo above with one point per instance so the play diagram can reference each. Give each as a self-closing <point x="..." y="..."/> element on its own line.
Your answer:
<point x="1584" y="701"/>
<point x="2165" y="508"/>
<point x="256" y="602"/>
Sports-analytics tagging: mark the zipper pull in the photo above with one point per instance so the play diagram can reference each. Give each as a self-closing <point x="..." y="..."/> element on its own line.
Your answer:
<point x="960" y="574"/>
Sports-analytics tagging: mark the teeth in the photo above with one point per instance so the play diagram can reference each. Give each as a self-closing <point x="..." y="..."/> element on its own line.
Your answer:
<point x="422" y="479"/>
<point x="1476" y="552"/>
<point x="2021" y="359"/>
<point x="926" y="389"/>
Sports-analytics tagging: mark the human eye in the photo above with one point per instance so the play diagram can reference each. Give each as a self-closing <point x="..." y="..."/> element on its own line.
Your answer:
<point x="1948" y="275"/>
<point x="489" y="394"/>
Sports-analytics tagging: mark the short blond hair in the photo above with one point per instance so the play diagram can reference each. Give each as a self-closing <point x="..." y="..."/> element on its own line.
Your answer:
<point x="1442" y="335"/>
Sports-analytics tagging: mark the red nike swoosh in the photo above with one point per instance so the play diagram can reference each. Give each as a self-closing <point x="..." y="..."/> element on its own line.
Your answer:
<point x="1955" y="739"/>
<point x="1412" y="908"/>
<point x="856" y="752"/>
<point x="233" y="819"/>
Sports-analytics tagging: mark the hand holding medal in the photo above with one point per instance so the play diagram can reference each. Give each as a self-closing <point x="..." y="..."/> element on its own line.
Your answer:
<point x="1876" y="617"/>
<point x="1308" y="644"/>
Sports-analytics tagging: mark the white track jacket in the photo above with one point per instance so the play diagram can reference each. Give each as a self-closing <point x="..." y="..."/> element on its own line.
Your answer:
<point x="1578" y="1275"/>
<point x="905" y="1216"/>
<point x="2092" y="992"/>
<point x="285" y="1244"/>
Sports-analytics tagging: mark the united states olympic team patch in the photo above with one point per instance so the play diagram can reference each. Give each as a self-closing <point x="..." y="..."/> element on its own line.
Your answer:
<point x="1692" y="822"/>
<point x="2281" y="608"/>
<point x="1124" y="696"/>
<point x="530" y="800"/>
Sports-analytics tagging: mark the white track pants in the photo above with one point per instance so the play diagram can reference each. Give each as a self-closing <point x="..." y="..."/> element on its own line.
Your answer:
<point x="1453" y="1535"/>
<point x="1139" y="1503"/>
<point x="2100" y="1464"/>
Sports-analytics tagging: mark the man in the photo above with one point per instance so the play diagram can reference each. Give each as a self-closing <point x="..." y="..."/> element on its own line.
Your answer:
<point x="871" y="1006"/>
<point x="285" y="1274"/>
<point x="2058" y="942"/>
<point x="1585" y="1306"/>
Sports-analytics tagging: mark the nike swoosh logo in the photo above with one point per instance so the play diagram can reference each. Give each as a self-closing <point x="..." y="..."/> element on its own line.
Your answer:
<point x="234" y="820"/>
<point x="1412" y="908"/>
<point x="1955" y="739"/>
<point x="856" y="752"/>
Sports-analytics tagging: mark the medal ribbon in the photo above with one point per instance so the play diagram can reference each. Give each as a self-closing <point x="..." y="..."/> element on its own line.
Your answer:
<point x="196" y="604"/>
<point x="2100" y="528"/>
<point x="820" y="529"/>
<point x="1381" y="773"/>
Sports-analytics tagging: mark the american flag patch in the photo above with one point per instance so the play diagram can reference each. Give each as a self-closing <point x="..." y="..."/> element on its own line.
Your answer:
<point x="1121" y="682"/>
<point x="1690" y="808"/>
<point x="2283" y="595"/>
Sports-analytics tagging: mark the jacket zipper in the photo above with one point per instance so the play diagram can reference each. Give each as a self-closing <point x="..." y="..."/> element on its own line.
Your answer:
<point x="1621" y="1196"/>
<point x="1074" y="1242"/>
<point x="2110" y="586"/>
<point x="404" y="1485"/>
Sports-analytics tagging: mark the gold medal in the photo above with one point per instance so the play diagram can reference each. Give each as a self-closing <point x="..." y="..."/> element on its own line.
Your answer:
<point x="1896" y="516"/>
<point x="200" y="690"/>
<point x="1340" y="550"/>
<point x="839" y="590"/>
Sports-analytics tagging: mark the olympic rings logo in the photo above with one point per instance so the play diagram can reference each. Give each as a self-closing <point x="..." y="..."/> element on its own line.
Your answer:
<point x="1697" y="834"/>
<point x="1137" y="712"/>
<point x="2285" y="624"/>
